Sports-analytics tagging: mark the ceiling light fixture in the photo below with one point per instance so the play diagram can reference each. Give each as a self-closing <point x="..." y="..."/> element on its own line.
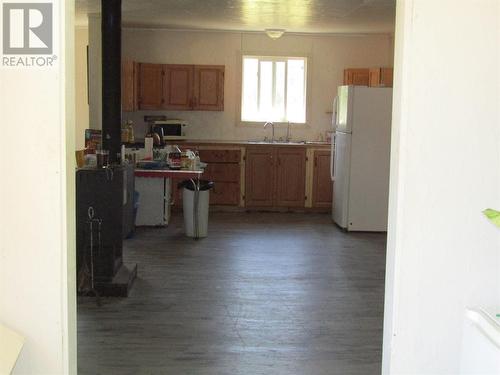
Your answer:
<point x="275" y="33"/>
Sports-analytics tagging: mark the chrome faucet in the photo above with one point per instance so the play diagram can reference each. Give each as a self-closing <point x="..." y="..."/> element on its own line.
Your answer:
<point x="272" y="124"/>
<point x="288" y="135"/>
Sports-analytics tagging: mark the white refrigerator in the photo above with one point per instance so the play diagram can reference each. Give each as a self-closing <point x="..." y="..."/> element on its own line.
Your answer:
<point x="361" y="157"/>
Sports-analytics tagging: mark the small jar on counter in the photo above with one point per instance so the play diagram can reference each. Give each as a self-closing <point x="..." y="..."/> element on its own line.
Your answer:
<point x="175" y="160"/>
<point x="187" y="160"/>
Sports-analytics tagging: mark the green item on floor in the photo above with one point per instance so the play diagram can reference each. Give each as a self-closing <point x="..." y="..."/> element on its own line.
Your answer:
<point x="493" y="216"/>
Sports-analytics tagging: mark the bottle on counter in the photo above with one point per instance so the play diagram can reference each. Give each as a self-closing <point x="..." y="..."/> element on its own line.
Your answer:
<point x="188" y="160"/>
<point x="175" y="160"/>
<point x="130" y="127"/>
<point x="184" y="160"/>
<point x="196" y="163"/>
<point x="125" y="135"/>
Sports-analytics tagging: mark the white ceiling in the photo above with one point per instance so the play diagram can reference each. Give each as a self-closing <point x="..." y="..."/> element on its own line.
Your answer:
<point x="308" y="16"/>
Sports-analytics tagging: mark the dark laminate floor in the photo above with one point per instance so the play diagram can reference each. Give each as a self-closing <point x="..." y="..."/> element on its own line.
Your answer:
<point x="263" y="294"/>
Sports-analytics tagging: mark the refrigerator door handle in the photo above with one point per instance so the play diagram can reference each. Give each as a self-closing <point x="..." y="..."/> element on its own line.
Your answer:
<point x="332" y="157"/>
<point x="334" y="114"/>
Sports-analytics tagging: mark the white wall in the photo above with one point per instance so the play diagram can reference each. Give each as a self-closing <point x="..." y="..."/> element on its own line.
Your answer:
<point x="328" y="55"/>
<point x="37" y="271"/>
<point x="442" y="253"/>
<point x="81" y="98"/>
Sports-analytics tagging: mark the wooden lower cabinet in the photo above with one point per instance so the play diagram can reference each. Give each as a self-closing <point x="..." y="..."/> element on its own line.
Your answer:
<point x="225" y="194"/>
<point x="219" y="156"/>
<point x="224" y="169"/>
<point x="290" y="177"/>
<point x="222" y="172"/>
<point x="322" y="193"/>
<point x="259" y="177"/>
<point x="275" y="176"/>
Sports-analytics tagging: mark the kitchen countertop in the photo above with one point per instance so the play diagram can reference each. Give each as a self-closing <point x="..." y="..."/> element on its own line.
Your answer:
<point x="253" y="143"/>
<point x="167" y="173"/>
<point x="140" y="143"/>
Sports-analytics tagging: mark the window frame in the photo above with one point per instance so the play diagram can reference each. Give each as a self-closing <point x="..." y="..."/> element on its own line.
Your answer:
<point x="270" y="57"/>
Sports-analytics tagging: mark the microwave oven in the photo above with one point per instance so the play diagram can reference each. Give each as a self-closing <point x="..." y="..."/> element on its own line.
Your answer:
<point x="172" y="129"/>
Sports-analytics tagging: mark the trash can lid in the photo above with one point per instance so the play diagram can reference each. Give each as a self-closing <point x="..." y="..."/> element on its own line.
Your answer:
<point x="190" y="184"/>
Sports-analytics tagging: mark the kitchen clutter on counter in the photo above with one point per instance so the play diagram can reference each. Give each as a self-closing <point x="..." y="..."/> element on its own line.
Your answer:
<point x="148" y="157"/>
<point x="170" y="156"/>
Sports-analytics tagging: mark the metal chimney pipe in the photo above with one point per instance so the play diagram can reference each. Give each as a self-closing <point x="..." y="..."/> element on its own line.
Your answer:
<point x="111" y="31"/>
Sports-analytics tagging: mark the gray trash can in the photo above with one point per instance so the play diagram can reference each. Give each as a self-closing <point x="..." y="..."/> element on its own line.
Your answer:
<point x="195" y="198"/>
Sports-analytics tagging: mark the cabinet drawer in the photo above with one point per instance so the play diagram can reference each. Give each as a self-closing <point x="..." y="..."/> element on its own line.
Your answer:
<point x="222" y="172"/>
<point x="225" y="193"/>
<point x="220" y="156"/>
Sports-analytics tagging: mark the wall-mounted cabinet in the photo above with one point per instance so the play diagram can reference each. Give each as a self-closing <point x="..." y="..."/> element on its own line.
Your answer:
<point x="373" y="77"/>
<point x="150" y="86"/>
<point x="130" y="85"/>
<point x="357" y="77"/>
<point x="208" y="88"/>
<point x="179" y="87"/>
<point x="381" y="77"/>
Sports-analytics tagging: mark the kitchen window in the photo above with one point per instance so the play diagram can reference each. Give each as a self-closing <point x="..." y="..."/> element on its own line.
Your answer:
<point x="274" y="89"/>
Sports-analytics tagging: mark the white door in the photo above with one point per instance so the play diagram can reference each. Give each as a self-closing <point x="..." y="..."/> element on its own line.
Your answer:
<point x="341" y="169"/>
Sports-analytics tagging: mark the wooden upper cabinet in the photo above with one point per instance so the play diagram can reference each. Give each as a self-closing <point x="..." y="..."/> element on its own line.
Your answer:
<point x="130" y="84"/>
<point x="357" y="77"/>
<point x="259" y="177"/>
<point x="150" y="86"/>
<point x="178" y="87"/>
<point x="322" y="193"/>
<point x="208" y="88"/>
<point x="381" y="77"/>
<point x="290" y="177"/>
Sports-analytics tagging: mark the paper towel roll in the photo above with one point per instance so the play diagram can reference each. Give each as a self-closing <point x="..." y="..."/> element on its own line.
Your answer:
<point x="148" y="148"/>
<point x="122" y="155"/>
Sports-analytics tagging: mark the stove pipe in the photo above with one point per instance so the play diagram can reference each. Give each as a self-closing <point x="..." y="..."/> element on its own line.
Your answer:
<point x="111" y="29"/>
